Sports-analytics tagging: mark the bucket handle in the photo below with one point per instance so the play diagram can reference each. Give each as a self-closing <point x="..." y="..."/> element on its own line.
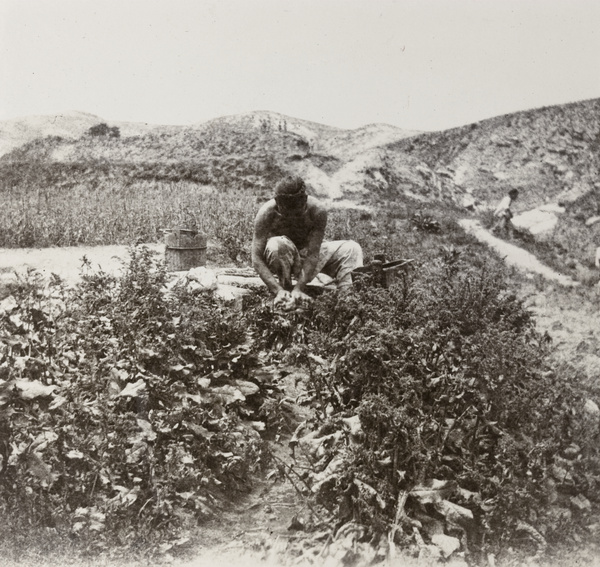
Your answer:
<point x="189" y="231"/>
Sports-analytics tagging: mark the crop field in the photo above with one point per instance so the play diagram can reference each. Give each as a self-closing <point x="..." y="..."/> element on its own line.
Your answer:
<point x="67" y="205"/>
<point x="43" y="214"/>
<point x="113" y="214"/>
<point x="131" y="416"/>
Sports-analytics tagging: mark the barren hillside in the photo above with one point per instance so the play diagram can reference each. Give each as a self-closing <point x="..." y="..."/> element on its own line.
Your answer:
<point x="247" y="151"/>
<point x="19" y="131"/>
<point x="550" y="154"/>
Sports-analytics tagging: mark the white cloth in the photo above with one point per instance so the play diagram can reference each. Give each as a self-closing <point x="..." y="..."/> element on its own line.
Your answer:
<point x="503" y="207"/>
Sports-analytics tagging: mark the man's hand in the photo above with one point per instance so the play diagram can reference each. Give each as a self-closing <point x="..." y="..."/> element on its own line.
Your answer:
<point x="284" y="300"/>
<point x="300" y="298"/>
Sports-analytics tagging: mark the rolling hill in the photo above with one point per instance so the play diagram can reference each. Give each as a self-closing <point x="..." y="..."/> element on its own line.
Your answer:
<point x="19" y="131"/>
<point x="243" y="151"/>
<point x="551" y="154"/>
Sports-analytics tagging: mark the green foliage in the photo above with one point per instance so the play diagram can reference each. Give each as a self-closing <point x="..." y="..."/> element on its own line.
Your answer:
<point x="452" y="385"/>
<point x="122" y="413"/>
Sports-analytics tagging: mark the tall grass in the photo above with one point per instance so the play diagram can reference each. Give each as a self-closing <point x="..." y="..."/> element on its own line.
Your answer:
<point x="390" y="229"/>
<point x="56" y="212"/>
<point x="117" y="211"/>
<point x="114" y="213"/>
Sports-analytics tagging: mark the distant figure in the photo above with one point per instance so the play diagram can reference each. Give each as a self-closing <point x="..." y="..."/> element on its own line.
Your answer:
<point x="597" y="259"/>
<point x="288" y="244"/>
<point x="503" y="214"/>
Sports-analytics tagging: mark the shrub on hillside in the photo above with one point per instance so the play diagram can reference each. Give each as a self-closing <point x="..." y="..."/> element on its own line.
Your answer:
<point x="104" y="130"/>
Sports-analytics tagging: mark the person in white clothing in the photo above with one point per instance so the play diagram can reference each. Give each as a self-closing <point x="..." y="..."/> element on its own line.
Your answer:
<point x="503" y="213"/>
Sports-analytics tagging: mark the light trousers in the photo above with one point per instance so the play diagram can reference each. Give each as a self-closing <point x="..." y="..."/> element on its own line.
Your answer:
<point x="337" y="259"/>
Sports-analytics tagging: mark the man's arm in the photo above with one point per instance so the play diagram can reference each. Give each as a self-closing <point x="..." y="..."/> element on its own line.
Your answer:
<point x="313" y="249"/>
<point x="259" y="243"/>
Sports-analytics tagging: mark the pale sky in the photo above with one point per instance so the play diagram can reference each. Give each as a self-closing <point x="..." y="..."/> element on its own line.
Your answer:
<point x="416" y="64"/>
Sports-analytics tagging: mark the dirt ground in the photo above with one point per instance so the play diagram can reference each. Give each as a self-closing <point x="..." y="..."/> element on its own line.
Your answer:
<point x="572" y="321"/>
<point x="563" y="308"/>
<point x="65" y="262"/>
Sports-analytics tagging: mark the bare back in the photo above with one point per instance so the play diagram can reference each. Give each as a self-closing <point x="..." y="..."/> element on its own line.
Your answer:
<point x="269" y="222"/>
<point x="306" y="230"/>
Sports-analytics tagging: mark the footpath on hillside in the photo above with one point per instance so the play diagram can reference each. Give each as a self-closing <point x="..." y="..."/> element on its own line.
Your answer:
<point x="515" y="256"/>
<point x="562" y="311"/>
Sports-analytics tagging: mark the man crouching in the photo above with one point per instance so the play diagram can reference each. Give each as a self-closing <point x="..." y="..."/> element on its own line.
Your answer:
<point x="288" y="244"/>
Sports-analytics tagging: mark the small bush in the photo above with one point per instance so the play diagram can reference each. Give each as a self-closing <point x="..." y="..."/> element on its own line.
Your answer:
<point x="456" y="399"/>
<point x="121" y="407"/>
<point x="104" y="130"/>
<point x="425" y="222"/>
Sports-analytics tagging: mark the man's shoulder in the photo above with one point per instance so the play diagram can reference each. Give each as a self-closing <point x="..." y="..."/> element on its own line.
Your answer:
<point x="266" y="208"/>
<point x="315" y="205"/>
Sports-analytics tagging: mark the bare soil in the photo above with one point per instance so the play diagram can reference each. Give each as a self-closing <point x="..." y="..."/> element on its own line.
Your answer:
<point x="563" y="308"/>
<point x="64" y="262"/>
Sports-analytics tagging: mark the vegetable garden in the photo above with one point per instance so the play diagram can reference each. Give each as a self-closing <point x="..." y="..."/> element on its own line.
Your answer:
<point x="132" y="411"/>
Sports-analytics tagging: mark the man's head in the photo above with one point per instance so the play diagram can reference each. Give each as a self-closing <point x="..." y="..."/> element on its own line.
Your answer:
<point x="290" y="196"/>
<point x="513" y="193"/>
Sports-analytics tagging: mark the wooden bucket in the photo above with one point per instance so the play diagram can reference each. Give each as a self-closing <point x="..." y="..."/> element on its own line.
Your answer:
<point x="184" y="249"/>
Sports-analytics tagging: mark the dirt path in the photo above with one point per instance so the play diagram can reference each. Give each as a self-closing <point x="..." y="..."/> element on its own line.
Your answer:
<point x="515" y="256"/>
<point x="563" y="311"/>
<point x="66" y="262"/>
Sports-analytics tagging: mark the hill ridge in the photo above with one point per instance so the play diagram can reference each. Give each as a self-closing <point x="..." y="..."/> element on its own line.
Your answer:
<point x="551" y="154"/>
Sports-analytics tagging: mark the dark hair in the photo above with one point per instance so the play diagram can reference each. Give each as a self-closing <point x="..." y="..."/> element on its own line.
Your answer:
<point x="513" y="193"/>
<point x="290" y="186"/>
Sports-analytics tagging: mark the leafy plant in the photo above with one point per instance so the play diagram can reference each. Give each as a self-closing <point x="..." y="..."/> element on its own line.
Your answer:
<point x="127" y="410"/>
<point x="424" y="221"/>
<point x="461" y="417"/>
